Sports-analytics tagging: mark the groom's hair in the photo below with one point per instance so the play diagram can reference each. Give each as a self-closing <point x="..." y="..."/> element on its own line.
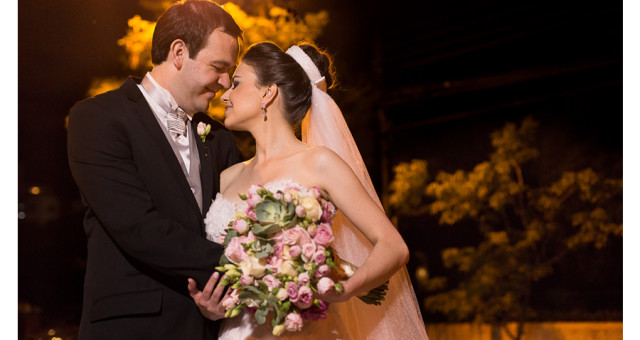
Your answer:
<point x="192" y="21"/>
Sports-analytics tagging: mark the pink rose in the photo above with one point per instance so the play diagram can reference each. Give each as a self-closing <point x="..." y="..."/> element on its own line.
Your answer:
<point x="325" y="285"/>
<point x="324" y="235"/>
<point x="278" y="195"/>
<point x="274" y="262"/>
<point x="253" y="200"/>
<point x="311" y="229"/>
<point x="305" y="298"/>
<point x="324" y="270"/>
<point x="308" y="250"/>
<point x="251" y="236"/>
<point x="251" y="213"/>
<point x="287" y="197"/>
<point x="320" y="257"/>
<point x="235" y="251"/>
<point x="277" y="249"/>
<point x="315" y="192"/>
<point x="291" y="236"/>
<point x="240" y="226"/>
<point x="300" y="211"/>
<point x="303" y="279"/>
<point x="246" y="239"/>
<point x="328" y="211"/>
<point x="295" y="251"/>
<point x="228" y="303"/>
<point x="271" y="282"/>
<point x="246" y="280"/>
<point x="292" y="290"/>
<point x="293" y="322"/>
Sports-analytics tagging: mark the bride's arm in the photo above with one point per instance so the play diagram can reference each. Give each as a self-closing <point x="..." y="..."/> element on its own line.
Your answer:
<point x="390" y="252"/>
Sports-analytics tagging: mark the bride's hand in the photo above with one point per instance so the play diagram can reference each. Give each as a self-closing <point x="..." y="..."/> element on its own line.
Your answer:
<point x="209" y="300"/>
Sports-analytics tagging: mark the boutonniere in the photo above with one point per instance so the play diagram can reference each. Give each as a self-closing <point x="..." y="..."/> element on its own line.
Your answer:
<point x="203" y="130"/>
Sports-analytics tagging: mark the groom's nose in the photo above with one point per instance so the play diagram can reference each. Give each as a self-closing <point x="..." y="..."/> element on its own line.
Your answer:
<point x="225" y="80"/>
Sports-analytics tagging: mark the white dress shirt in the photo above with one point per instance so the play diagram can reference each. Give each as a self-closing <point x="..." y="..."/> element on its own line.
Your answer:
<point x="182" y="141"/>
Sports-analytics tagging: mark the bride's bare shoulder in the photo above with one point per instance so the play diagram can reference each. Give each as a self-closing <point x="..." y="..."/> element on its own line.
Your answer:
<point x="229" y="174"/>
<point x="321" y="158"/>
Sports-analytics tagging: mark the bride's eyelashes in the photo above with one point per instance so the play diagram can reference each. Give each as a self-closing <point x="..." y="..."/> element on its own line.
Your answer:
<point x="235" y="84"/>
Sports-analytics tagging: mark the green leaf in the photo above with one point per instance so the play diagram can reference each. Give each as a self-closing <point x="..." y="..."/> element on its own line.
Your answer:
<point x="224" y="260"/>
<point x="231" y="233"/>
<point x="248" y="294"/>
<point x="261" y="315"/>
<point x="284" y="308"/>
<point x="264" y="250"/>
<point x="264" y="231"/>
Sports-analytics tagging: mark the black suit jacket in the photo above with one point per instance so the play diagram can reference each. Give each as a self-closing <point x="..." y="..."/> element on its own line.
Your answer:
<point x="144" y="229"/>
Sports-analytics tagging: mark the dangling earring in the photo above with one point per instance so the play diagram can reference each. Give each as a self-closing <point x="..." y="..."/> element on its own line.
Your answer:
<point x="264" y="111"/>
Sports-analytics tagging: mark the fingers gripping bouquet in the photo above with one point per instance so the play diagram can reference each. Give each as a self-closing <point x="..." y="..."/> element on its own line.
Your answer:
<point x="278" y="254"/>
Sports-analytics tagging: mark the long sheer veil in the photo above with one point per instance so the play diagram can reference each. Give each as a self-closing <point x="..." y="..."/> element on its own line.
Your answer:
<point x="399" y="315"/>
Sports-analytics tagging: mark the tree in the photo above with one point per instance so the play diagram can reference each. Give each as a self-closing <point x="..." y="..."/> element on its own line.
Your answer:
<point x="526" y="229"/>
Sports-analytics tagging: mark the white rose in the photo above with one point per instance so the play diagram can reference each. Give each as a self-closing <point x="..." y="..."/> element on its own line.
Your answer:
<point x="282" y="294"/>
<point x="312" y="207"/>
<point x="202" y="127"/>
<point x="252" y="266"/>
<point x="286" y="268"/>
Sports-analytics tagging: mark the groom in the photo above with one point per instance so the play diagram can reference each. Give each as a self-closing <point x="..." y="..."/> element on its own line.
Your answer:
<point x="148" y="178"/>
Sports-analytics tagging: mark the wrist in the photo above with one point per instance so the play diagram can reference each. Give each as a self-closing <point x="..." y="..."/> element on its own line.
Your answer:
<point x="352" y="287"/>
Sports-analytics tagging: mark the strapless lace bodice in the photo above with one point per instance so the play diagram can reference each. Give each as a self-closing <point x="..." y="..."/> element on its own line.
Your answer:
<point x="222" y="210"/>
<point x="220" y="213"/>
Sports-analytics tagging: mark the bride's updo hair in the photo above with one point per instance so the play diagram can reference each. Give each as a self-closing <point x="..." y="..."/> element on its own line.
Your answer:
<point x="273" y="66"/>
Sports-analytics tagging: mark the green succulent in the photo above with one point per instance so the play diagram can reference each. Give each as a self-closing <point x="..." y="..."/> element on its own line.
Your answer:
<point x="273" y="215"/>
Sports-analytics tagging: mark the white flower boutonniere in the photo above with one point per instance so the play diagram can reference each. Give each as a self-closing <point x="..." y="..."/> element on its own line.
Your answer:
<point x="203" y="130"/>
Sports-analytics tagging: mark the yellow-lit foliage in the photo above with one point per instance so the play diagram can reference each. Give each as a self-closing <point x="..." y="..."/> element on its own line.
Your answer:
<point x="525" y="229"/>
<point x="277" y="25"/>
<point x="137" y="43"/>
<point x="406" y="187"/>
<point x="103" y="85"/>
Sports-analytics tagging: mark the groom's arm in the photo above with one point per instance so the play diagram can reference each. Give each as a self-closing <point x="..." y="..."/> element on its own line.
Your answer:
<point x="102" y="163"/>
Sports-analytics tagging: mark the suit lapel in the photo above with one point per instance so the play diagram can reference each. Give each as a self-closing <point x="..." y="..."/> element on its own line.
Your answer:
<point x="207" y="177"/>
<point x="149" y="121"/>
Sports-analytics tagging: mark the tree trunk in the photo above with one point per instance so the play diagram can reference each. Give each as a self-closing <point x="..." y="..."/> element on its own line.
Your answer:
<point x="496" y="331"/>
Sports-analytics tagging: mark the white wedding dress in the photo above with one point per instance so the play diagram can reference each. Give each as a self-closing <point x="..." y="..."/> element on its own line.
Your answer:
<point x="397" y="318"/>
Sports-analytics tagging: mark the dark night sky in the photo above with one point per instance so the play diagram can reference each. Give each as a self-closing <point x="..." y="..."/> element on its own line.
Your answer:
<point x="445" y="73"/>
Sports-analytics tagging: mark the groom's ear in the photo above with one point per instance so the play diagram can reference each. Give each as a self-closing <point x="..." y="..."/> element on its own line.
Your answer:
<point x="178" y="52"/>
<point x="270" y="94"/>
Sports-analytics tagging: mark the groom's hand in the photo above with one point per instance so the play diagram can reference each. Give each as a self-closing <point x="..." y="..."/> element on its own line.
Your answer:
<point x="209" y="300"/>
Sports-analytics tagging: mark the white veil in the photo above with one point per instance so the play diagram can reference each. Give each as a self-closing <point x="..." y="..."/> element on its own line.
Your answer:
<point x="399" y="315"/>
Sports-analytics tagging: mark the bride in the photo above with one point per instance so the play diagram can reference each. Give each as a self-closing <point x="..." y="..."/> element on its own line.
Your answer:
<point x="272" y="92"/>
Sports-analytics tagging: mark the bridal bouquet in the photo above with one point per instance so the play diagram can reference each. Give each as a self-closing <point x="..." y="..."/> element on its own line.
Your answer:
<point x="278" y="254"/>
